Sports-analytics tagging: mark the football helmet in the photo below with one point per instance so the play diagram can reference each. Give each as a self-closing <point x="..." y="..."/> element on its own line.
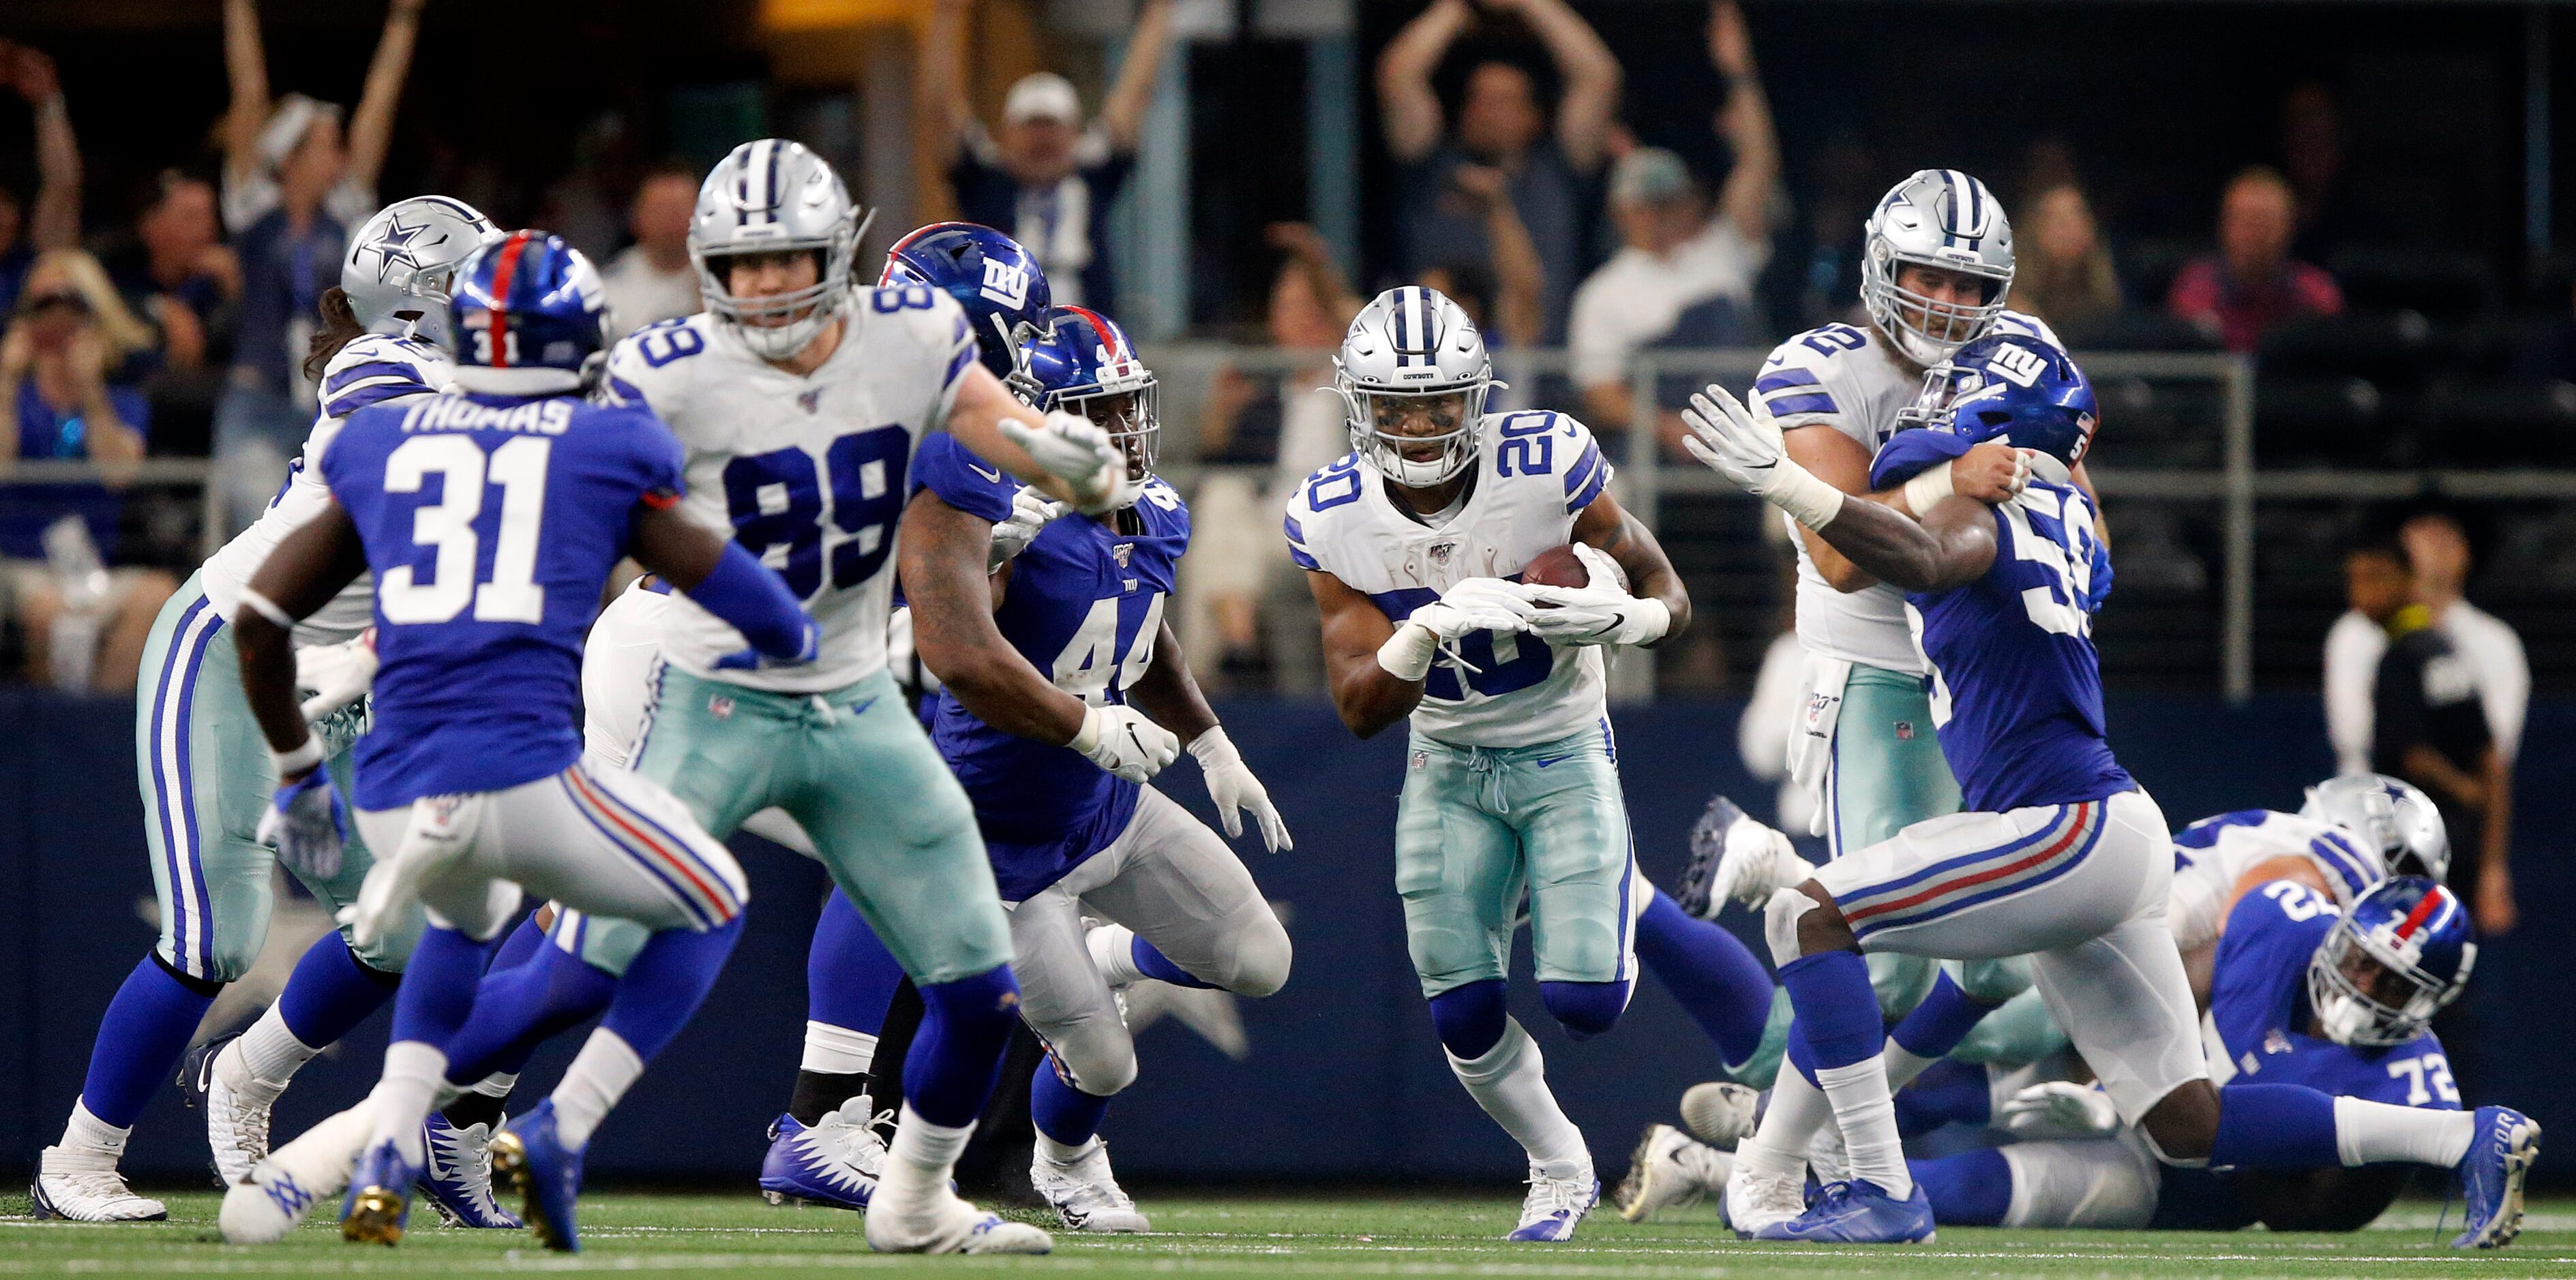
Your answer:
<point x="401" y="260"/>
<point x="1005" y="294"/>
<point x="2419" y="937"/>
<point x="1946" y="220"/>
<point x="530" y="317"/>
<point x="1084" y="364"/>
<point x="1412" y="344"/>
<point x="767" y="197"/>
<point x="2008" y="387"/>
<point x="2389" y="814"/>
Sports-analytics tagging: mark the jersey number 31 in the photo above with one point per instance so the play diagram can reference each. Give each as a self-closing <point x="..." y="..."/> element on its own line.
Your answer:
<point x="518" y="467"/>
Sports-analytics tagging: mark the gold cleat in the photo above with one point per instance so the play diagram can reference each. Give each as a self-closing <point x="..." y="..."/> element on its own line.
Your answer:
<point x="510" y="1166"/>
<point x="375" y="1217"/>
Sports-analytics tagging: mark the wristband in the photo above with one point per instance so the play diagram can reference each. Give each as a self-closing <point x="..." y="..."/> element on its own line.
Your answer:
<point x="298" y="760"/>
<point x="265" y="607"/>
<point x="1213" y="750"/>
<point x="1407" y="654"/>
<point x="1647" y="622"/>
<point x="1087" y="738"/>
<point x="1808" y="500"/>
<point x="1928" y="488"/>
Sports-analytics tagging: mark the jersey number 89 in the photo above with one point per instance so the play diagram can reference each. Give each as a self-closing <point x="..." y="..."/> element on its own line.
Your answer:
<point x="775" y="500"/>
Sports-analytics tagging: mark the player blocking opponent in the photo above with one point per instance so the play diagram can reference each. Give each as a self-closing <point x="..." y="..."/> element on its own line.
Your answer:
<point x="1512" y="782"/>
<point x="491" y="518"/>
<point x="2061" y="854"/>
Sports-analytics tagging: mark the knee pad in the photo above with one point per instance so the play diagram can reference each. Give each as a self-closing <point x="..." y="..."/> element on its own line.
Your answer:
<point x="228" y="959"/>
<point x="1586" y="1009"/>
<point x="1099" y="1064"/>
<point x="1261" y="959"/>
<point x="1470" y="1019"/>
<point x="1780" y="923"/>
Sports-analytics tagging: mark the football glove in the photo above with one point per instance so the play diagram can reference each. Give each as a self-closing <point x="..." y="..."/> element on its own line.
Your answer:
<point x="1231" y="785"/>
<point x="1433" y="630"/>
<point x="2059" y="1109"/>
<point x="1122" y="741"/>
<point x="1071" y="448"/>
<point x="1744" y="446"/>
<point x="1601" y="612"/>
<point x="306" y="823"/>
<point x="336" y="675"/>
<point x="1030" y="513"/>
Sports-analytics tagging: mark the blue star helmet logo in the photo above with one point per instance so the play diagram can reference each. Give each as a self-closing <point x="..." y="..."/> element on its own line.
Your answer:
<point x="395" y="247"/>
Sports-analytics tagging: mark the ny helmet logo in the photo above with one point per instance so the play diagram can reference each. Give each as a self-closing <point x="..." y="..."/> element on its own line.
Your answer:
<point x="1006" y="283"/>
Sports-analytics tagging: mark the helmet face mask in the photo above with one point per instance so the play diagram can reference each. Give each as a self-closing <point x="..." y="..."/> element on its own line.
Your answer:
<point x="1414" y="377"/>
<point x="2398" y="958"/>
<point x="1421" y="439"/>
<point x="1938" y="220"/>
<point x="774" y="197"/>
<point x="1081" y="363"/>
<point x="1133" y="418"/>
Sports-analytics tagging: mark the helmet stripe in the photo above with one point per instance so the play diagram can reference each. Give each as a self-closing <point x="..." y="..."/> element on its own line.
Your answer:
<point x="1401" y="316"/>
<point x="776" y="197"/>
<point x="1110" y="339"/>
<point x="505" y="269"/>
<point x="2415" y="919"/>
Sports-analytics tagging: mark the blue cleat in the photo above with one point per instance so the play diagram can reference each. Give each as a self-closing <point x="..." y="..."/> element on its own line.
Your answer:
<point x="1858" y="1213"/>
<point x="548" y="1173"/>
<point x="2491" y="1177"/>
<point x="458" y="1178"/>
<point x="834" y="1163"/>
<point x="1554" y="1205"/>
<point x="379" y="1200"/>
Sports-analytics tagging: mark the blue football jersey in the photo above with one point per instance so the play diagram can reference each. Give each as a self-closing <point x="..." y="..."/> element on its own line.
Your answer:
<point x="491" y="525"/>
<point x="1084" y="604"/>
<point x="2016" y="686"/>
<point x="2258" y="1012"/>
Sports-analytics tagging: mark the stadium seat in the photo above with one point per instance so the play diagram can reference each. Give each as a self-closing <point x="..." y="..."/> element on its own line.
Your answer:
<point x="2500" y="422"/>
<point x="2134" y="330"/>
<point x="2443" y="283"/>
<point x="2318" y="420"/>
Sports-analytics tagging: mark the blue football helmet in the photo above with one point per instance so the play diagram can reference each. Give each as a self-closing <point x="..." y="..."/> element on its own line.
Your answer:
<point x="529" y="315"/>
<point x="2402" y="953"/>
<point x="2011" y="388"/>
<point x="998" y="282"/>
<point x="1082" y="363"/>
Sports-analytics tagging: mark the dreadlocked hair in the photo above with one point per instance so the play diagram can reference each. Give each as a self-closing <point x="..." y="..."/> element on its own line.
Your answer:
<point x="340" y="327"/>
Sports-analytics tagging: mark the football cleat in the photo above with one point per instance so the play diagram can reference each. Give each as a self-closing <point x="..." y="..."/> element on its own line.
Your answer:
<point x="947" y="1224"/>
<point x="1707" y="845"/>
<point x="84" y="1186"/>
<point x="1722" y="1113"/>
<point x="2491" y="1177"/>
<point x="1858" y="1213"/>
<point x="283" y="1189"/>
<point x="535" y="1160"/>
<point x="1755" y="1202"/>
<point x="379" y="1200"/>
<point x="834" y="1163"/>
<point x="1669" y="1171"/>
<point x="1753" y="863"/>
<point x="458" y="1177"/>
<point x="1085" y="1193"/>
<point x="214" y="1077"/>
<point x="1554" y="1205"/>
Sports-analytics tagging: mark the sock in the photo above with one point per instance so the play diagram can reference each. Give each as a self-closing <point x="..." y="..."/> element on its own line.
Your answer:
<point x="483" y="1103"/>
<point x="838" y="1051"/>
<point x="330" y="993"/>
<point x="2275" y="1126"/>
<point x="446" y="968"/>
<point x="1948" y="1093"/>
<point x="1717" y="979"/>
<point x="820" y="1093"/>
<point x="146" y="1028"/>
<point x="1470" y="1019"/>
<point x="1795" y="1051"/>
<point x="956" y="1056"/>
<point x="520" y="1007"/>
<point x="1585" y="1009"/>
<point x="1969" y="1190"/>
<point x="86" y="1132"/>
<point x="269" y="1051"/>
<point x="850" y="977"/>
<point x="1510" y="1082"/>
<point x="1778" y="1148"/>
<point x="1065" y="1116"/>
<point x="923" y="1152"/>
<point x="1837" y="1010"/>
<point x="665" y="984"/>
<point x="599" y="1075"/>
<point x="1113" y="953"/>
<point x="1931" y="1031"/>
<point x="520" y="947"/>
<point x="414" y="1072"/>
<point x="1154" y="964"/>
<point x="2380" y="1133"/>
<point x="1867" y="1115"/>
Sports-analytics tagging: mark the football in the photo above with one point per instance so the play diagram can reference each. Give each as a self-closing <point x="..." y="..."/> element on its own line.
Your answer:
<point x="1560" y="567"/>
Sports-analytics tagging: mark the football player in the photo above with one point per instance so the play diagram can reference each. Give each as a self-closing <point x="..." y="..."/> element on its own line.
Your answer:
<point x="1511" y="784"/>
<point x="205" y="779"/>
<point x="2060" y="854"/>
<point x="491" y="517"/>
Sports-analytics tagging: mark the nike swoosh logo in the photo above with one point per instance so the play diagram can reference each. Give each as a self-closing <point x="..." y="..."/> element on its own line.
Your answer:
<point x="1545" y="761"/>
<point x="994" y="475"/>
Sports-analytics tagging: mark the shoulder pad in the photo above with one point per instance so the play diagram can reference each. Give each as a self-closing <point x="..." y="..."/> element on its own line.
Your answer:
<point x="651" y="367"/>
<point x="375" y="367"/>
<point x="1544" y="443"/>
<point x="1792" y="382"/>
<point x="1323" y="499"/>
<point x="943" y="465"/>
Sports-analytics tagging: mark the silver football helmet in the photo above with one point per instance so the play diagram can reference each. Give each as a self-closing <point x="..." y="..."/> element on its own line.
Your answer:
<point x="401" y="261"/>
<point x="2389" y="814"/>
<point x="771" y="196"/>
<point x="1946" y="220"/>
<point x="1414" y="344"/>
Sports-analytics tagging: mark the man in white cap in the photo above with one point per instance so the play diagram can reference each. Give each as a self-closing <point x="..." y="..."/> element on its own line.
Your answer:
<point x="1047" y="179"/>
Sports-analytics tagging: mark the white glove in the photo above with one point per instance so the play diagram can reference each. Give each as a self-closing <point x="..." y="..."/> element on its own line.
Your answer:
<point x="1122" y="741"/>
<point x="308" y="826"/>
<point x="2060" y="1109"/>
<point x="1746" y="448"/>
<point x="1231" y="785"/>
<point x="1600" y="612"/>
<point x="336" y="675"/>
<point x="1030" y="513"/>
<point x="1071" y="448"/>
<point x="1473" y="604"/>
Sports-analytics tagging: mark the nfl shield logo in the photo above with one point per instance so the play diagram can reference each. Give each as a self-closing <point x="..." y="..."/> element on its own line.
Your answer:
<point x="811" y="401"/>
<point x="1905" y="731"/>
<point x="1421" y="761"/>
<point x="1441" y="551"/>
<point x="1122" y="553"/>
<point x="720" y="706"/>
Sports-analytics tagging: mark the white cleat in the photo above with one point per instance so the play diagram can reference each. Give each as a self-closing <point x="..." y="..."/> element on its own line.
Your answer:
<point x="237" y="1108"/>
<point x="1722" y="1113"/>
<point x="1085" y="1193"/>
<point x="947" y="1224"/>
<point x="284" y="1188"/>
<point x="1670" y="1171"/>
<point x="1754" y="1202"/>
<point x="1554" y="1206"/>
<point x="1758" y="862"/>
<point x="84" y="1186"/>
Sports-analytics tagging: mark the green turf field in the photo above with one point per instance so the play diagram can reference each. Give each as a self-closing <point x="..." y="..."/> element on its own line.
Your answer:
<point x="1265" y="1236"/>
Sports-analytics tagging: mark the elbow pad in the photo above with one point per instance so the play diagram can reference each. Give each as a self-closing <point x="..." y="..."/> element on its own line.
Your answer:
<point x="742" y="591"/>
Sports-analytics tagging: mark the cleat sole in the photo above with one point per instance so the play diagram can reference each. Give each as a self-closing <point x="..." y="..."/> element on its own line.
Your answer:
<point x="375" y="1217"/>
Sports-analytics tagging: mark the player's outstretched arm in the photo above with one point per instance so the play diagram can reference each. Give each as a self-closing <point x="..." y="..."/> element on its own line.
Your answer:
<point x="1170" y="694"/>
<point x="299" y="576"/>
<point x="715" y="573"/>
<point x="1063" y="455"/>
<point x="1369" y="696"/>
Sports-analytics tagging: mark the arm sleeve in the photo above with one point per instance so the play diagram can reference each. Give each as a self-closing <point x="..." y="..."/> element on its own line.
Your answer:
<point x="753" y="601"/>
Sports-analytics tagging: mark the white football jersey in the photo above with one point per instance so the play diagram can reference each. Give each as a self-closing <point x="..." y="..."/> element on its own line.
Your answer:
<point x="2211" y="855"/>
<point x="807" y="472"/>
<point x="373" y="368"/>
<point x="1535" y="473"/>
<point x="1844" y="377"/>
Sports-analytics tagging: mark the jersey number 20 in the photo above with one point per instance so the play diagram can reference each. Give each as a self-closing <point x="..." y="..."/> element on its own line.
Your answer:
<point x="512" y="594"/>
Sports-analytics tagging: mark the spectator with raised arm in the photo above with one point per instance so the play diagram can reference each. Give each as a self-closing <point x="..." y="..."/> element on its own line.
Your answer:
<point x="1684" y="274"/>
<point x="1047" y="179"/>
<point x="62" y="398"/>
<point x="1500" y="124"/>
<point x="2252" y="283"/>
<point x="1508" y="303"/>
<point x="653" y="279"/>
<point x="53" y="221"/>
<point x="293" y="187"/>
